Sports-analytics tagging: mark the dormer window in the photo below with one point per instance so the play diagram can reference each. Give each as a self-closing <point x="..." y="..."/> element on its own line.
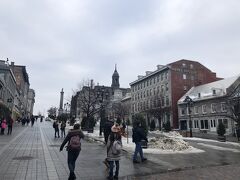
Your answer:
<point x="214" y="91"/>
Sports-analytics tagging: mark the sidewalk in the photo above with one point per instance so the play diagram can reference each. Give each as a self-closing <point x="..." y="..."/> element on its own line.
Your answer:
<point x="32" y="153"/>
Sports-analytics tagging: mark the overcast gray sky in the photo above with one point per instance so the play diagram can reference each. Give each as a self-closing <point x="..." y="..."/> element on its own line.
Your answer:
<point x="62" y="42"/>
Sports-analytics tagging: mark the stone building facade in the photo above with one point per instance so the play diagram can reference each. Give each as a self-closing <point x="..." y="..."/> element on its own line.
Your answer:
<point x="7" y="86"/>
<point x="105" y="97"/>
<point x="165" y="86"/>
<point x="23" y="84"/>
<point x="209" y="107"/>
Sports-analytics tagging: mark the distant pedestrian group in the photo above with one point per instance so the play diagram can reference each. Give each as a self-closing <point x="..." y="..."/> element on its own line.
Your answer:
<point x="6" y="123"/>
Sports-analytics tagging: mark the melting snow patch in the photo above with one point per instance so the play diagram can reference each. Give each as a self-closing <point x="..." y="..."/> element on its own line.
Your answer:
<point x="166" y="143"/>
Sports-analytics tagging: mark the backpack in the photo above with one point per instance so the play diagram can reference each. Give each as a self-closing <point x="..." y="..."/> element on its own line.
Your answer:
<point x="75" y="142"/>
<point x="116" y="147"/>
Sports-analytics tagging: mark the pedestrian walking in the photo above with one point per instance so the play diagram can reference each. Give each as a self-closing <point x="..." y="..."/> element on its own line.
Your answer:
<point x="138" y="135"/>
<point x="56" y="129"/>
<point x="114" y="146"/>
<point x="107" y="130"/>
<point x="10" y="125"/>
<point x="62" y="127"/>
<point x="28" y="121"/>
<point x="73" y="139"/>
<point x="3" y="126"/>
<point x="32" y="120"/>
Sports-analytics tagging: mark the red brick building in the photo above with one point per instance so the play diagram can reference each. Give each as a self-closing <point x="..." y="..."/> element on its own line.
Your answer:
<point x="165" y="86"/>
<point x="184" y="75"/>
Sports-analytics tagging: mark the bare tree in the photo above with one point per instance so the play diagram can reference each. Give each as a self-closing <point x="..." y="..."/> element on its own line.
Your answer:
<point x="52" y="112"/>
<point x="121" y="110"/>
<point x="88" y="102"/>
<point x="233" y="102"/>
<point x="157" y="108"/>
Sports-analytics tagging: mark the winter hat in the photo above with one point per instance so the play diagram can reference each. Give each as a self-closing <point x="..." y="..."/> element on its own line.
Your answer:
<point x="115" y="128"/>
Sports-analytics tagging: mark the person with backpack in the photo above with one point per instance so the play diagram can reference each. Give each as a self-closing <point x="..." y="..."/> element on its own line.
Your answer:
<point x="73" y="139"/>
<point x="114" y="147"/>
<point x="138" y="135"/>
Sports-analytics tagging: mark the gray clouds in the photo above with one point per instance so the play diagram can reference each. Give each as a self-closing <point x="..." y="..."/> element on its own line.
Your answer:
<point x="62" y="42"/>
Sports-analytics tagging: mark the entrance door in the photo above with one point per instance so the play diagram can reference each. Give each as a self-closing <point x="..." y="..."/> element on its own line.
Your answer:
<point x="183" y="125"/>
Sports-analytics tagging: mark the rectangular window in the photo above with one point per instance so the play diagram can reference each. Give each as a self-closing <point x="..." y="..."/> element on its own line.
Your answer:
<point x="196" y="124"/>
<point x="161" y="77"/>
<point x="184" y="88"/>
<point x="204" y="124"/>
<point x="167" y="101"/>
<point x="184" y="76"/>
<point x="196" y="109"/>
<point x="166" y="75"/>
<point x="163" y="102"/>
<point x="166" y="86"/>
<point x="213" y="107"/>
<point x="162" y="88"/>
<point x="213" y="123"/>
<point x="204" y="109"/>
<point x="183" y="112"/>
<point x="223" y="107"/>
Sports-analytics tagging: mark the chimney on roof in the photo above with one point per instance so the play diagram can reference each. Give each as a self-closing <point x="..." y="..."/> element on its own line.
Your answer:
<point x="12" y="63"/>
<point x="159" y="66"/>
<point x="140" y="76"/>
<point x="148" y="72"/>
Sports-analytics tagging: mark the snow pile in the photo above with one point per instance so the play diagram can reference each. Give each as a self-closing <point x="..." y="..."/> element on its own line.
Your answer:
<point x="167" y="143"/>
<point x="172" y="134"/>
<point x="168" y="134"/>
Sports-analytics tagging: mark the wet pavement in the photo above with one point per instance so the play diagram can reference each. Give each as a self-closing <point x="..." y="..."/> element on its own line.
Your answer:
<point x="32" y="153"/>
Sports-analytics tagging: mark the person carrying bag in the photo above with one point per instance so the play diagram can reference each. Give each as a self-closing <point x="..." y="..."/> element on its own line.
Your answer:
<point x="73" y="139"/>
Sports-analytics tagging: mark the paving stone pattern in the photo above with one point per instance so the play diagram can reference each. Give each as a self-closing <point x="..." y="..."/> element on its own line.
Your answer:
<point x="32" y="153"/>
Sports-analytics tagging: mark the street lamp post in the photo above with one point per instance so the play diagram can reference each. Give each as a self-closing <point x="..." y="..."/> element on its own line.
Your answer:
<point x="189" y="103"/>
